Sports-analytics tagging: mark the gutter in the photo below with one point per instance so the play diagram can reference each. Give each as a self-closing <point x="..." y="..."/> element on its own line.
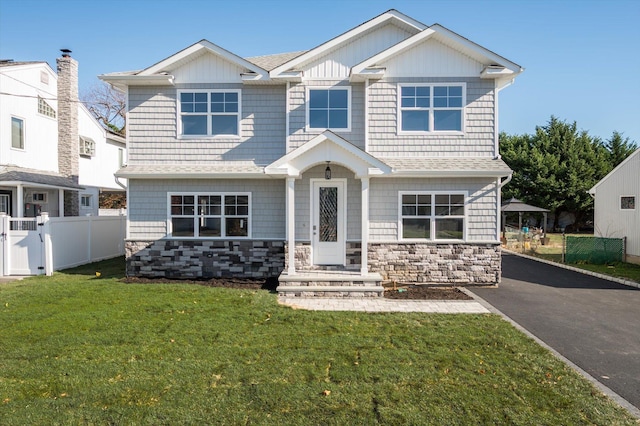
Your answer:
<point x="506" y="181"/>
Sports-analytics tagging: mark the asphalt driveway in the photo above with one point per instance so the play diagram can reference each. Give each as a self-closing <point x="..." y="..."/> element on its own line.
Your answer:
<point x="593" y="322"/>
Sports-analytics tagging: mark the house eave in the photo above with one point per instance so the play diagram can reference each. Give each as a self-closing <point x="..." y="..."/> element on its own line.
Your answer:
<point x="122" y="81"/>
<point x="367" y="74"/>
<point x="450" y="173"/>
<point x="187" y="175"/>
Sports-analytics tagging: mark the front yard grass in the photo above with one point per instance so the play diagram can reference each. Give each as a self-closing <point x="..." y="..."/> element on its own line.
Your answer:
<point x="80" y="349"/>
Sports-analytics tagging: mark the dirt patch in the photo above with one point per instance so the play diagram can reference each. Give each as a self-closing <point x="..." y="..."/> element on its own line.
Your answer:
<point x="423" y="292"/>
<point x="412" y="291"/>
<point x="239" y="283"/>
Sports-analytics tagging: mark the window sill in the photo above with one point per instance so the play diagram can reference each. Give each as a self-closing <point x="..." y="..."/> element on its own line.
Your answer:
<point x="321" y="130"/>
<point x="208" y="137"/>
<point x="171" y="237"/>
<point x="434" y="133"/>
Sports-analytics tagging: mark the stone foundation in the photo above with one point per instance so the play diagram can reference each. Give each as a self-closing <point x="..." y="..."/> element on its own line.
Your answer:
<point x="460" y="264"/>
<point x="189" y="259"/>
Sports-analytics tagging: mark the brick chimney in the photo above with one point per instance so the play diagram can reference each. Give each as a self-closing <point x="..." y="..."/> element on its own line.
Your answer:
<point x="68" y="141"/>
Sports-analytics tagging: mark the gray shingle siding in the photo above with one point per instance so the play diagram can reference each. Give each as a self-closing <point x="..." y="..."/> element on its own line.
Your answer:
<point x="148" y="209"/>
<point x="153" y="123"/>
<point x="478" y="139"/>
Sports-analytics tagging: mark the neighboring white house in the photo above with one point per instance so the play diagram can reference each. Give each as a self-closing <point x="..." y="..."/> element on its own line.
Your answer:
<point x="51" y="147"/>
<point x="373" y="155"/>
<point x="617" y="213"/>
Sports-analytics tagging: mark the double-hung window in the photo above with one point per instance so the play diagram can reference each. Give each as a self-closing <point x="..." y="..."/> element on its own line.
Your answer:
<point x="329" y="108"/>
<point x="431" y="108"/>
<point x="209" y="113"/>
<point x="17" y="133"/>
<point x="209" y="215"/>
<point x="432" y="216"/>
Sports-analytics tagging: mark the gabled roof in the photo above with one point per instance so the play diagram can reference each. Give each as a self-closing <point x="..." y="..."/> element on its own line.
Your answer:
<point x="515" y="205"/>
<point x="159" y="73"/>
<point x="592" y="191"/>
<point x="269" y="62"/>
<point x="388" y="16"/>
<point x="327" y="147"/>
<point x="496" y="65"/>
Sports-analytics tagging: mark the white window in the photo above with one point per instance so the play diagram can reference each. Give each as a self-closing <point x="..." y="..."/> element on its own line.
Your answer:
<point x="329" y="108"/>
<point x="45" y="109"/>
<point x="39" y="197"/>
<point x="210" y="215"/>
<point x="85" y="201"/>
<point x="426" y="108"/>
<point x="17" y="133"/>
<point x="210" y="113"/>
<point x="432" y="216"/>
<point x="627" y="202"/>
<point x="87" y="147"/>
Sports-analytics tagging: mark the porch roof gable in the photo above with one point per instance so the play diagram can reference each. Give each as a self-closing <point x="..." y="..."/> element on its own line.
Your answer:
<point x="328" y="148"/>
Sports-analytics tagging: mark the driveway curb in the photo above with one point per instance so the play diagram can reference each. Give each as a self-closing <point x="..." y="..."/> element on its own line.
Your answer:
<point x="604" y="389"/>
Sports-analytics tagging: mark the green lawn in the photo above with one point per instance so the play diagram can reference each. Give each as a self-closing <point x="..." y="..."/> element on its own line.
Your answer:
<point x="81" y="349"/>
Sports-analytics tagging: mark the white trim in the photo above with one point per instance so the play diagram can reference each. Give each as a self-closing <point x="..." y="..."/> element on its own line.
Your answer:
<point x="24" y="132"/>
<point x="309" y="129"/>
<point x="619" y="166"/>
<point x="433" y="217"/>
<point x="222" y="215"/>
<point x="208" y="114"/>
<point x="364" y="230"/>
<point x="366" y="115"/>
<point x="634" y="203"/>
<point x="287" y="116"/>
<point x="352" y="33"/>
<point x="431" y="109"/>
<point x="342" y="217"/>
<point x="291" y="224"/>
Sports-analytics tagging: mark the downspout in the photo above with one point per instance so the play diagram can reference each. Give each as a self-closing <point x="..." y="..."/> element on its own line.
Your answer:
<point x="286" y="115"/>
<point x="496" y="132"/>
<point x="506" y="181"/>
<point x="366" y="115"/>
<point x="120" y="184"/>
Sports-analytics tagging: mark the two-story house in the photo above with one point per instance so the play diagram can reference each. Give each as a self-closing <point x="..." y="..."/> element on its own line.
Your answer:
<point x="373" y="156"/>
<point x="54" y="156"/>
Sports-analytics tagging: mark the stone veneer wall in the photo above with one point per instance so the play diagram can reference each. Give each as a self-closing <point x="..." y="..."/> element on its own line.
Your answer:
<point x="470" y="264"/>
<point x="205" y="259"/>
<point x="305" y="263"/>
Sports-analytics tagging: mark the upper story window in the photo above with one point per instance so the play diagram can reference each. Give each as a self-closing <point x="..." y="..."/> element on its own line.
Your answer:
<point x="210" y="215"/>
<point x="17" y="133"/>
<point x="45" y="109"/>
<point x="210" y="113"/>
<point x="431" y="108"/>
<point x="432" y="216"/>
<point x="627" y="202"/>
<point x="329" y="108"/>
<point x="87" y="147"/>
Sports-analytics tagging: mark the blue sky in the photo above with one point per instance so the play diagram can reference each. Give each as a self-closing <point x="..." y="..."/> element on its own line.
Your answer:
<point x="581" y="57"/>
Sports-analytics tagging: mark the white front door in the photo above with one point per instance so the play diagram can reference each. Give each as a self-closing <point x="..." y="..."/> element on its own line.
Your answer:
<point x="328" y="211"/>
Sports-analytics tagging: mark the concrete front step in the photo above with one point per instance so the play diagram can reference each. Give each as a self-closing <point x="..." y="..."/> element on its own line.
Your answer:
<point x="330" y="284"/>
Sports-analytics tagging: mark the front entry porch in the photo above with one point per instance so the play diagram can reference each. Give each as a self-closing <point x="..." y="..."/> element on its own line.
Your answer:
<point x="327" y="203"/>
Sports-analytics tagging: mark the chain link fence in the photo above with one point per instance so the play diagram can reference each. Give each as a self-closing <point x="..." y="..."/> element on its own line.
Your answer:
<point x="595" y="250"/>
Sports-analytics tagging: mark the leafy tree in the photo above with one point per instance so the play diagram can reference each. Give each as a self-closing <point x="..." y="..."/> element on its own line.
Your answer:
<point x="108" y="106"/>
<point x="555" y="167"/>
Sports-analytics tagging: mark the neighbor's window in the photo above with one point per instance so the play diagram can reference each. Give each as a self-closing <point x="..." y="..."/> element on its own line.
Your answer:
<point x="431" y="108"/>
<point x="87" y="146"/>
<point x="628" y="202"/>
<point x="214" y="113"/>
<point x="328" y="108"/>
<point x="85" y="201"/>
<point x="17" y="133"/>
<point x="432" y="216"/>
<point x="210" y="215"/>
<point x="45" y="109"/>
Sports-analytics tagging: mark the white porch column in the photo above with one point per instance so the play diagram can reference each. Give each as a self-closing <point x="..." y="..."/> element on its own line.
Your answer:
<point x="19" y="201"/>
<point x="364" y="250"/>
<point x="60" y="202"/>
<point x="291" y="224"/>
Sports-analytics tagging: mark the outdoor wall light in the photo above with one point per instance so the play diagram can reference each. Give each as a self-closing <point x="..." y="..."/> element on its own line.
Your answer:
<point x="327" y="172"/>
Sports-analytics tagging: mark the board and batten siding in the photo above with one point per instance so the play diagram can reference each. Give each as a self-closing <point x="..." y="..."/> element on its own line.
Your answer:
<point x="478" y="139"/>
<point x="481" y="220"/>
<point x="610" y="220"/>
<point x="337" y="64"/>
<point x="152" y="127"/>
<point x="148" y="208"/>
<point x="303" y="201"/>
<point x="298" y="134"/>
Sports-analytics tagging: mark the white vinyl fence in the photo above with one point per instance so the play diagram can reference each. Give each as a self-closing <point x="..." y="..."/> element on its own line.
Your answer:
<point x="41" y="245"/>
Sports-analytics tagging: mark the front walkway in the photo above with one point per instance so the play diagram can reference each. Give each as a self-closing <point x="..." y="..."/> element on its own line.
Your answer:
<point x="379" y="304"/>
